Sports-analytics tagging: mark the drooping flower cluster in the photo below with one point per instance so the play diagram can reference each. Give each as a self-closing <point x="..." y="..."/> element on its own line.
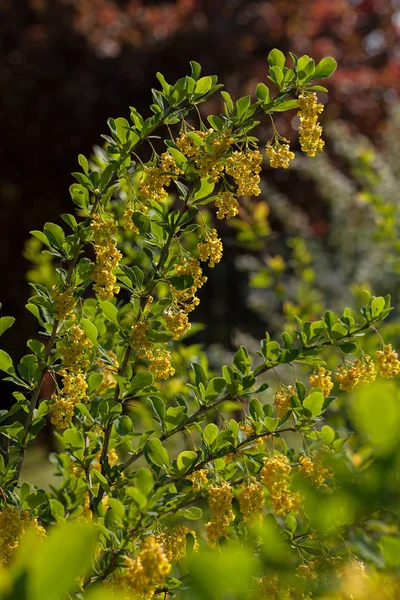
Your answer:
<point x="221" y="514"/>
<point x="227" y="205"/>
<point x="310" y="130"/>
<point x="64" y="303"/>
<point x="198" y="478"/>
<point x="186" y="299"/>
<point x="14" y="524"/>
<point x="75" y="350"/>
<point x="177" y="323"/>
<point x="174" y="543"/>
<point x="209" y="156"/>
<point x="107" y="256"/>
<point x="251" y="501"/>
<point x="279" y="154"/>
<point x="282" y="400"/>
<point x="388" y="362"/>
<point x="159" y="358"/>
<point x="128" y="223"/>
<point x="147" y="571"/>
<point x="245" y="167"/>
<point x="276" y="475"/>
<point x="211" y="248"/>
<point x="157" y="178"/>
<point x="359" y="372"/>
<point x="322" y="379"/>
<point x="314" y="470"/>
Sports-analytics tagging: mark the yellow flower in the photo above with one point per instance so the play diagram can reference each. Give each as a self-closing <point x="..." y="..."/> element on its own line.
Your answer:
<point x="279" y="154"/>
<point x="388" y="362"/>
<point x="314" y="470"/>
<point x="211" y="248"/>
<point x="282" y="400"/>
<point x="275" y="475"/>
<point x="356" y="373"/>
<point x="198" y="478"/>
<point x="160" y="364"/>
<point x="221" y="514"/>
<point x="107" y="256"/>
<point x="322" y="379"/>
<point x="64" y="303"/>
<point x="159" y="358"/>
<point x="14" y="524"/>
<point x="310" y="130"/>
<point x="245" y="167"/>
<point x="251" y="501"/>
<point x="75" y="350"/>
<point x="147" y="571"/>
<point x="177" y="323"/>
<point x="156" y="179"/>
<point x="227" y="205"/>
<point x="174" y="544"/>
<point x="186" y="299"/>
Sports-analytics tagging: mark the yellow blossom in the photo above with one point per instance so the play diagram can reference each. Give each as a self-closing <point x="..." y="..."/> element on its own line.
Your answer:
<point x="221" y="514"/>
<point x="174" y="543"/>
<point x="159" y="358"/>
<point x="107" y="256"/>
<point x="276" y="475"/>
<point x="282" y="400"/>
<point x="388" y="362"/>
<point x="310" y="130"/>
<point x="128" y="223"/>
<point x="227" y="205"/>
<point x="251" y="501"/>
<point x="157" y="178"/>
<point x="177" y="323"/>
<point x="245" y="167"/>
<point x="75" y="350"/>
<point x="146" y="572"/>
<point x="322" y="379"/>
<point x="160" y="364"/>
<point x="314" y="469"/>
<point x="64" y="303"/>
<point x="198" y="478"/>
<point x="186" y="299"/>
<point x="279" y="154"/>
<point x="14" y="524"/>
<point x="211" y="248"/>
<point x="353" y="374"/>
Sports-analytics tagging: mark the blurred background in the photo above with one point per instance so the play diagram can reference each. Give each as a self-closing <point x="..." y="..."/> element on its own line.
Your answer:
<point x="318" y="233"/>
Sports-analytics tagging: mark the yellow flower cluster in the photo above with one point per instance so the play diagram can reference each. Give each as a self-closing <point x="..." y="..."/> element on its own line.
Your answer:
<point x="107" y="256"/>
<point x="156" y="179"/>
<point x="359" y="372"/>
<point x="147" y="571"/>
<point x="187" y="299"/>
<point x="14" y="524"/>
<point x="279" y="154"/>
<point x="75" y="350"/>
<point x="310" y="130"/>
<point x="388" y="362"/>
<point x="209" y="158"/>
<point x="174" y="544"/>
<point x="227" y="205"/>
<point x="275" y="475"/>
<point x="245" y="167"/>
<point x="248" y="429"/>
<point x="188" y="146"/>
<point x="177" y="323"/>
<point x="159" y="358"/>
<point x="128" y="223"/>
<point x="64" y="303"/>
<point x="282" y="400"/>
<point x="211" y="248"/>
<point x="251" y="501"/>
<point x="322" y="379"/>
<point x="198" y="478"/>
<point x="314" y="470"/>
<point x="221" y="514"/>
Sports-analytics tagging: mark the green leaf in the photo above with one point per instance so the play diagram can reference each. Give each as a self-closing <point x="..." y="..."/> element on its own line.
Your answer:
<point x="276" y="58"/>
<point x="203" y="85"/>
<point x="142" y="380"/>
<point x="6" y="363"/>
<point x="6" y="323"/>
<point x="109" y="311"/>
<point x="57" y="509"/>
<point x="271" y="423"/>
<point x="205" y="188"/>
<point x="186" y="460"/>
<point x="314" y="403"/>
<point x="193" y="513"/>
<point x="263" y="93"/>
<point x="288" y="105"/>
<point x="325" y="68"/>
<point x="55" y="234"/>
<point x="210" y="433"/>
<point x="156" y="454"/>
<point x="391" y="550"/>
<point x="79" y="195"/>
<point x="82" y="160"/>
<point x="56" y="563"/>
<point x="90" y="329"/>
<point x="276" y="75"/>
